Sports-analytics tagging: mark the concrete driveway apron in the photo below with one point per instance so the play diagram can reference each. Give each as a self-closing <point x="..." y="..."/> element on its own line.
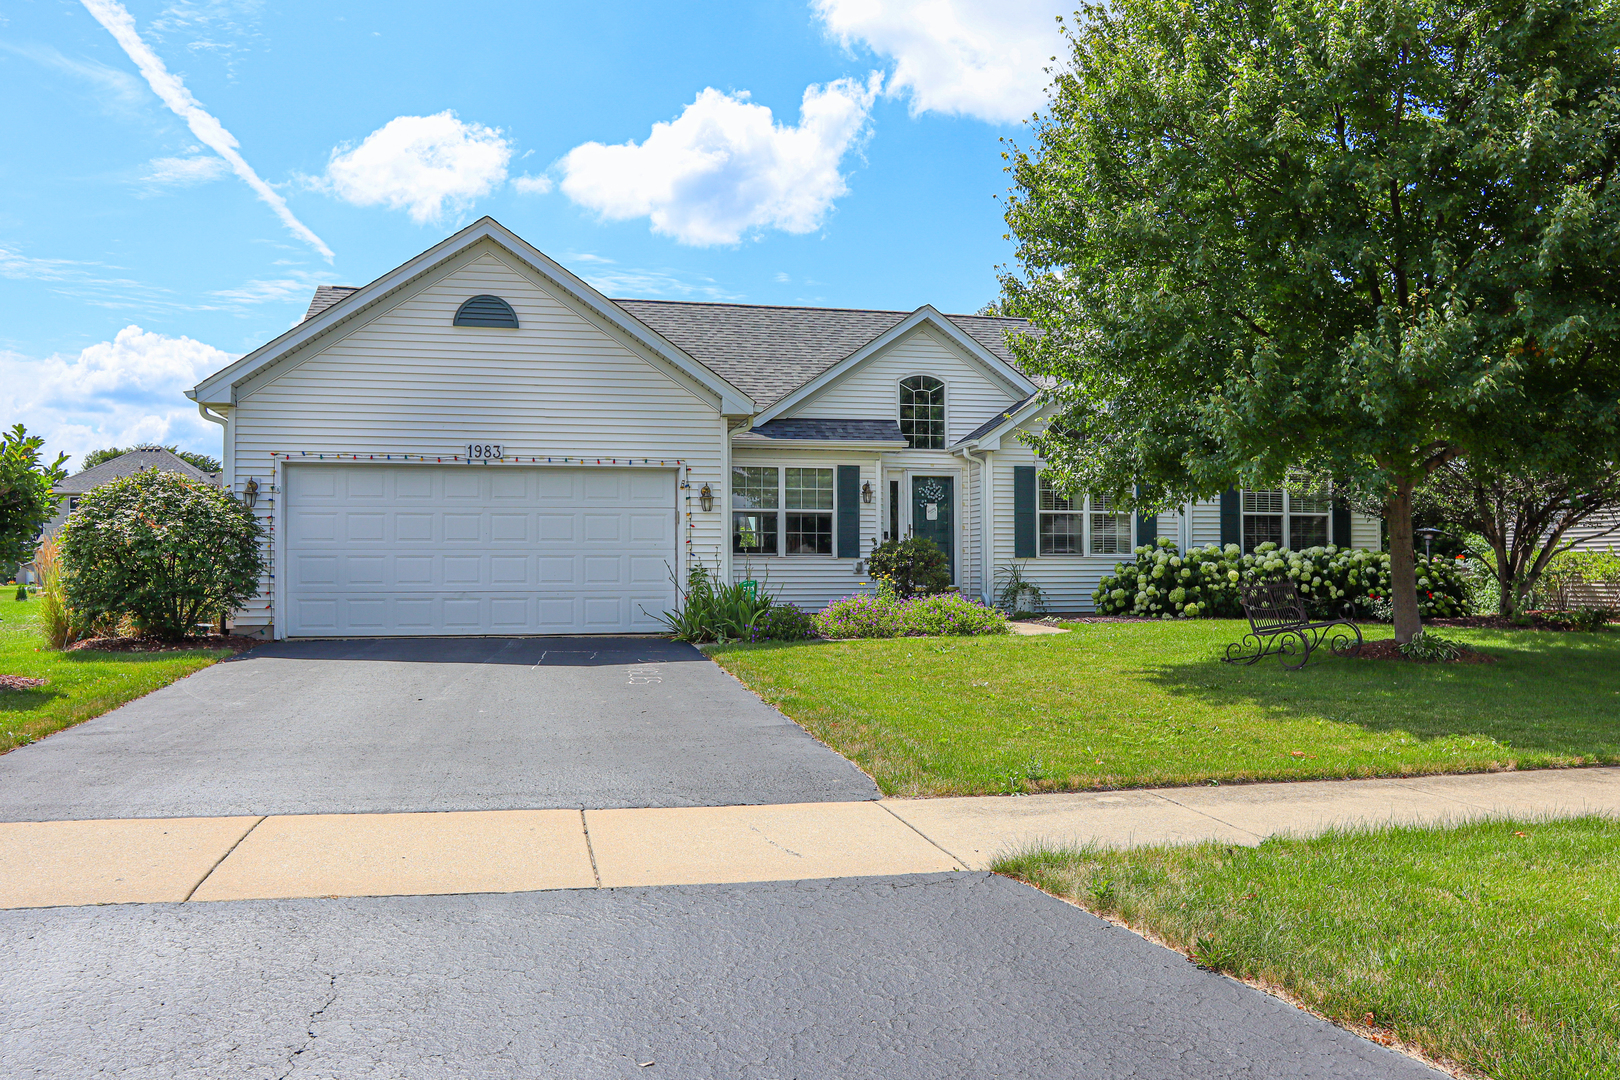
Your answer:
<point x="431" y="724"/>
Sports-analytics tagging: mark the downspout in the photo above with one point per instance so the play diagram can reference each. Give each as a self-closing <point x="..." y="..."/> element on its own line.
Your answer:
<point x="984" y="521"/>
<point x="227" y="477"/>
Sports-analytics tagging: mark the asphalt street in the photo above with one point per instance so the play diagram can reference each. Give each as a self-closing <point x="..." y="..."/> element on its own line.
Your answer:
<point x="949" y="975"/>
<point x="431" y="724"/>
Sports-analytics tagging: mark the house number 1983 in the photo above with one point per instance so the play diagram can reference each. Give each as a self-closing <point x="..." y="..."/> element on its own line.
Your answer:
<point x="483" y="451"/>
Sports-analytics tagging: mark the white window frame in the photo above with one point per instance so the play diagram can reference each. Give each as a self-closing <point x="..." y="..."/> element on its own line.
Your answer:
<point x="780" y="512"/>
<point x="1288" y="513"/>
<point x="944" y="408"/>
<point x="1087" y="509"/>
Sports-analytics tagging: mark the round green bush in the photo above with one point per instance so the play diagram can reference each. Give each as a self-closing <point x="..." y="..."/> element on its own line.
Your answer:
<point x="911" y="567"/>
<point x="864" y="616"/>
<point x="783" y="622"/>
<point x="1163" y="583"/>
<point x="949" y="613"/>
<point x="168" y="551"/>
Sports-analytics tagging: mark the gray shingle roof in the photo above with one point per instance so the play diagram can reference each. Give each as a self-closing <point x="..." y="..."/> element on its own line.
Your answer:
<point x="128" y="465"/>
<point x="327" y="295"/>
<point x="996" y="420"/>
<point x="795" y="429"/>
<point x="765" y="351"/>
<point x="768" y="352"/>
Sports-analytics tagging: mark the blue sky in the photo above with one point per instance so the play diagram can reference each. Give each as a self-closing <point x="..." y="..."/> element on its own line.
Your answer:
<point x="179" y="175"/>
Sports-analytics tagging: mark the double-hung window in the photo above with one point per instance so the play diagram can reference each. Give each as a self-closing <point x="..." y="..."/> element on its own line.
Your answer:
<point x="776" y="511"/>
<point x="1075" y="525"/>
<point x="1283" y="518"/>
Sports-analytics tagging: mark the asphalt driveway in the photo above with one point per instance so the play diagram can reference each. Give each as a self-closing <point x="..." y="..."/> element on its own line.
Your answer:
<point x="907" y="978"/>
<point x="431" y="724"/>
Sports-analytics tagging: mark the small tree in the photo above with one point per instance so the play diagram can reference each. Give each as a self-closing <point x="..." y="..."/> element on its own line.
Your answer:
<point x="166" y="550"/>
<point x="912" y="567"/>
<point x="1524" y="518"/>
<point x="26" y="501"/>
<point x="1358" y="239"/>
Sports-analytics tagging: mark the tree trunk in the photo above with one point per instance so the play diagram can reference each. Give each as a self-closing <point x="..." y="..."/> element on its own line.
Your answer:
<point x="1402" y="562"/>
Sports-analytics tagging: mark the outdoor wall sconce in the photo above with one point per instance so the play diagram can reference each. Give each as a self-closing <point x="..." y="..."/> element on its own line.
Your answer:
<point x="250" y="493"/>
<point x="866" y="492"/>
<point x="706" y="498"/>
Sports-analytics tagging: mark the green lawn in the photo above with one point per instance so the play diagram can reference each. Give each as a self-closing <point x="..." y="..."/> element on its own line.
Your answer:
<point x="81" y="684"/>
<point x="1495" y="945"/>
<point x="1123" y="704"/>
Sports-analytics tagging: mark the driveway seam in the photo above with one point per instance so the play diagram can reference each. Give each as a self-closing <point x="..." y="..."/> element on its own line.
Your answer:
<point x="589" y="850"/>
<point x="222" y="858"/>
<point x="957" y="858"/>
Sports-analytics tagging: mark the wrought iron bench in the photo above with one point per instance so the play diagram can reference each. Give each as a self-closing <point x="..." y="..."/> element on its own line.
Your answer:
<point x="1278" y="624"/>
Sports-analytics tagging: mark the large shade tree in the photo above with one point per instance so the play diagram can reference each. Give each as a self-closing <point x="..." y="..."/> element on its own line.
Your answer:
<point x="1355" y="239"/>
<point x="26" y="499"/>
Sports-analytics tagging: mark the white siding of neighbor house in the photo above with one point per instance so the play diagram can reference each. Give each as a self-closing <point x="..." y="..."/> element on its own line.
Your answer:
<point x="1594" y="534"/>
<point x="871" y="390"/>
<point x="404" y="380"/>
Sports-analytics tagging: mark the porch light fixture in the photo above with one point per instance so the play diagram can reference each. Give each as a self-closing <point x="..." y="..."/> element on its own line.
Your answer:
<point x="866" y="492"/>
<point x="706" y="498"/>
<point x="250" y="493"/>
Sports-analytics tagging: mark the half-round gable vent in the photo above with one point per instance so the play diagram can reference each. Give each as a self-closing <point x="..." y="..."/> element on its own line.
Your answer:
<point x="486" y="311"/>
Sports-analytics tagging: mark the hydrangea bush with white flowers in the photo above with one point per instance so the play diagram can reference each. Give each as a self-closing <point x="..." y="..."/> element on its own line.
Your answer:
<point x="1163" y="583"/>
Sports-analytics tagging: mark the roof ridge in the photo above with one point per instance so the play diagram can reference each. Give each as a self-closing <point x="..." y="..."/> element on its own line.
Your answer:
<point x="804" y="307"/>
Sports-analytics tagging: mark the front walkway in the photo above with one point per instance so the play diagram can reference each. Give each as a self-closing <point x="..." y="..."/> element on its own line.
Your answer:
<point x="64" y="863"/>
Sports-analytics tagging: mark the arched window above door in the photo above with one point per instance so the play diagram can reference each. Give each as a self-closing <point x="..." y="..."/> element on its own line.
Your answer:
<point x="922" y="412"/>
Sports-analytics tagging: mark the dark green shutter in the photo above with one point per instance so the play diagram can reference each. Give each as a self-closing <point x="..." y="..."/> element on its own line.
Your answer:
<point x="1231" y="517"/>
<point x="1147" y="528"/>
<point x="1341" y="523"/>
<point x="1023" y="511"/>
<point x="849" y="511"/>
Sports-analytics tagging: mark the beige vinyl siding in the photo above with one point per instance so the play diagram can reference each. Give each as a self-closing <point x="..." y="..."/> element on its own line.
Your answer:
<point x="1366" y="531"/>
<point x="1596" y="534"/>
<point x="1067" y="580"/>
<point x="406" y="381"/>
<point x="871" y="391"/>
<point x="1206" y="522"/>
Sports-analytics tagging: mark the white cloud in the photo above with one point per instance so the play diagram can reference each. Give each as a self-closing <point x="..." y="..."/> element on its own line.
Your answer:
<point x="208" y="130"/>
<point x="114" y="393"/>
<point x="961" y="57"/>
<point x="533" y="185"/>
<point x="725" y="167"/>
<point x="624" y="281"/>
<point x="113" y="87"/>
<point x="781" y="277"/>
<point x="182" y="171"/>
<point x="420" y="164"/>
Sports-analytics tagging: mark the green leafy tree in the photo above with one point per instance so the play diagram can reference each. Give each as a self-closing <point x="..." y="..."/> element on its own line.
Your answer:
<point x="26" y="501"/>
<point x="166" y="550"/>
<point x="1359" y="239"/>
<point x="199" y="461"/>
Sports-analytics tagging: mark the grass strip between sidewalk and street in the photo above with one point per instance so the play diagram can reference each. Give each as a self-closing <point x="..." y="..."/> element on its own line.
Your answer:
<point x="1146" y="704"/>
<point x="79" y="684"/>
<point x="1494" y="946"/>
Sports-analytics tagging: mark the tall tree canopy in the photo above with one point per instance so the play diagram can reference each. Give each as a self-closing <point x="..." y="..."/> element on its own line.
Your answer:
<point x="1359" y="239"/>
<point x="26" y="502"/>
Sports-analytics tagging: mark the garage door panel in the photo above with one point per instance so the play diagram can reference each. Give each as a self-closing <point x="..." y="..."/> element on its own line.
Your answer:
<point x="482" y="549"/>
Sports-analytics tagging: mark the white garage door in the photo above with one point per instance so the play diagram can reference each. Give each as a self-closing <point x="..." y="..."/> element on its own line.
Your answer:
<point x="477" y="549"/>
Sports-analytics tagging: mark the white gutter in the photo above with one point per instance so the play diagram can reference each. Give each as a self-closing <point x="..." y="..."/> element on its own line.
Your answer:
<point x="227" y="477"/>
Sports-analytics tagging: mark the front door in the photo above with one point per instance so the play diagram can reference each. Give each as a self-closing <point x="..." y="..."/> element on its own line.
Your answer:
<point x="932" y="498"/>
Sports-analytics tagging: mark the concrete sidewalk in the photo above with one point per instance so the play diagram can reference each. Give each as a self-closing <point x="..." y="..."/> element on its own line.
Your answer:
<point x="65" y="863"/>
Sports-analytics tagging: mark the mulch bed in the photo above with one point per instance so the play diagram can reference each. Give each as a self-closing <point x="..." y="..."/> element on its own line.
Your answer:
<point x="18" y="682"/>
<point x="234" y="642"/>
<point x="1386" y="649"/>
<point x="1498" y="622"/>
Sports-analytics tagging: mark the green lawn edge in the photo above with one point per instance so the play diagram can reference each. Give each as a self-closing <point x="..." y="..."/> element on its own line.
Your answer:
<point x="1493" y="945"/>
<point x="80" y="685"/>
<point x="1149" y="704"/>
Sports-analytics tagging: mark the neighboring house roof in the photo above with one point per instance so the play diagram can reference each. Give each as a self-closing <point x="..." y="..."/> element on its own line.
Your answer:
<point x="770" y="351"/>
<point x="325" y="296"/>
<point x="875" y="433"/>
<point x="128" y="465"/>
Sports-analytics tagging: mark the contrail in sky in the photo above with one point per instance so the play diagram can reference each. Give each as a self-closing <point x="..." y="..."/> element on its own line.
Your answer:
<point x="121" y="25"/>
